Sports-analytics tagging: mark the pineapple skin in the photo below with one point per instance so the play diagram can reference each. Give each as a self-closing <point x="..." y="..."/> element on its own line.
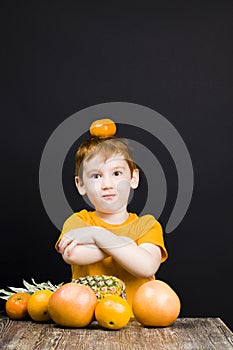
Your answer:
<point x="103" y="285"/>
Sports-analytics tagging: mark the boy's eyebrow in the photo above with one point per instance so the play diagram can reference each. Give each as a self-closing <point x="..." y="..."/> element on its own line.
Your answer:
<point x="119" y="167"/>
<point x="99" y="169"/>
<point x="93" y="171"/>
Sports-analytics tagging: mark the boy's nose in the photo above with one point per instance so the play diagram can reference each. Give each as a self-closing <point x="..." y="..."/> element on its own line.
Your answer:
<point x="106" y="182"/>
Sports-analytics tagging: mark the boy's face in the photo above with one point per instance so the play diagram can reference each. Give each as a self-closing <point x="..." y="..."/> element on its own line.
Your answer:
<point x="107" y="184"/>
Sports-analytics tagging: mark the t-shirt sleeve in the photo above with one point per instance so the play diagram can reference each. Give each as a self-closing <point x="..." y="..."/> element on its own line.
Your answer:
<point x="154" y="236"/>
<point x="71" y="223"/>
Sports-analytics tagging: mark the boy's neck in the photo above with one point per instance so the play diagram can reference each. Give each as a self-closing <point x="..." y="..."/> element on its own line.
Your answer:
<point x="113" y="218"/>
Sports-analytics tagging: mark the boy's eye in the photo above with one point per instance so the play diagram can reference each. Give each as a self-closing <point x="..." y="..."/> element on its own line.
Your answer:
<point x="117" y="173"/>
<point x="95" y="176"/>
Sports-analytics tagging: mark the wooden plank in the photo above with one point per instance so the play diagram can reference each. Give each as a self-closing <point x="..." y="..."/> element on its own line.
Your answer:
<point x="184" y="334"/>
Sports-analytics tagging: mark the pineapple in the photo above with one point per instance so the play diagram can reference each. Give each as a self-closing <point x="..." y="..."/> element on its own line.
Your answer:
<point x="103" y="285"/>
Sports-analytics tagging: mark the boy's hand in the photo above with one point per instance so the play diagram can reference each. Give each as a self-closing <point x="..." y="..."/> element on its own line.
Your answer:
<point x="81" y="236"/>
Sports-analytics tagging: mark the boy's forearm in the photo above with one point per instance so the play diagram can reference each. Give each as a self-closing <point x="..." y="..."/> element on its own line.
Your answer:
<point x="135" y="259"/>
<point x="84" y="255"/>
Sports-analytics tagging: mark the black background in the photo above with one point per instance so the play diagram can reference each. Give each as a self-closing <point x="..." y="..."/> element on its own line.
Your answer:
<point x="176" y="58"/>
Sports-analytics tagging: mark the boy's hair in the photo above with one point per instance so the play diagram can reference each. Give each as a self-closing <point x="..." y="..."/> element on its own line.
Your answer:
<point x="106" y="147"/>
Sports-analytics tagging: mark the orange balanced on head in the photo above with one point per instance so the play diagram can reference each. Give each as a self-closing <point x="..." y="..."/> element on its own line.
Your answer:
<point x="17" y="306"/>
<point x="103" y="128"/>
<point x="113" y="312"/>
<point x="38" y="305"/>
<point x="155" y="303"/>
<point x="72" y="305"/>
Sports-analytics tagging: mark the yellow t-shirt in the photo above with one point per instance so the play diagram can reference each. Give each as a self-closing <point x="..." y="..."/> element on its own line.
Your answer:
<point x="143" y="229"/>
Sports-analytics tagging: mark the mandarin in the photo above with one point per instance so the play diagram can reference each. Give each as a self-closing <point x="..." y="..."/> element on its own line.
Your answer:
<point x="72" y="305"/>
<point x="103" y="128"/>
<point x="38" y="305"/>
<point x="156" y="304"/>
<point x="113" y="312"/>
<point x="17" y="306"/>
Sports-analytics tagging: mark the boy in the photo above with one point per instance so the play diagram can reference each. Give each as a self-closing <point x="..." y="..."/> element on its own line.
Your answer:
<point x="110" y="240"/>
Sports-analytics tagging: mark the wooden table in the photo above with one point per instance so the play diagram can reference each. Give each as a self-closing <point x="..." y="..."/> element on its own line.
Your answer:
<point x="185" y="333"/>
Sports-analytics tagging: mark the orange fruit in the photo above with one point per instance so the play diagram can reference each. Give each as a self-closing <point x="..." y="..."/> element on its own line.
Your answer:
<point x="155" y="303"/>
<point x="72" y="305"/>
<point x="113" y="312"/>
<point x="17" y="306"/>
<point x="103" y="128"/>
<point x="38" y="305"/>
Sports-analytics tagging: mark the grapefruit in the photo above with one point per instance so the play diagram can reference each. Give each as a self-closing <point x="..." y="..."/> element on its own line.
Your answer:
<point x="72" y="305"/>
<point x="156" y="304"/>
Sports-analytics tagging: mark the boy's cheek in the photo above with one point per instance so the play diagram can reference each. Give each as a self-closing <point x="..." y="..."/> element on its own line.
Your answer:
<point x="123" y="185"/>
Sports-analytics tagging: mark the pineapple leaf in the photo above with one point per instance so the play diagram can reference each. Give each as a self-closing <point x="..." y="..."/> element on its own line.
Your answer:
<point x="43" y="285"/>
<point x="6" y="297"/>
<point x="30" y="287"/>
<point x="18" y="290"/>
<point x="6" y="294"/>
<point x="38" y="285"/>
<point x="51" y="285"/>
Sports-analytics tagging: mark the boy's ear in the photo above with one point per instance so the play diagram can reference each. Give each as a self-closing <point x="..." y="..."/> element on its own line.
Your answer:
<point x="80" y="186"/>
<point x="135" y="179"/>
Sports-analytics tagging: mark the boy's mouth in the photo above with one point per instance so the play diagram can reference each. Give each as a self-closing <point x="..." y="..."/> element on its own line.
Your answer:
<point x="109" y="196"/>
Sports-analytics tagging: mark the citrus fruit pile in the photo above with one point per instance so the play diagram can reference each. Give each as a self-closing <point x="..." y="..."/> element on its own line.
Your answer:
<point x="22" y="305"/>
<point x="73" y="304"/>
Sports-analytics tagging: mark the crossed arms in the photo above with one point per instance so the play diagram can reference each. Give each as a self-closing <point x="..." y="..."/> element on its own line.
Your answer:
<point x="89" y="245"/>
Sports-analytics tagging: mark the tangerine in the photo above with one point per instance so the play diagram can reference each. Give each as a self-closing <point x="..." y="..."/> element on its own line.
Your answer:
<point x="113" y="312"/>
<point x="72" y="305"/>
<point x="155" y="303"/>
<point x="38" y="305"/>
<point x="17" y="306"/>
<point x="103" y="128"/>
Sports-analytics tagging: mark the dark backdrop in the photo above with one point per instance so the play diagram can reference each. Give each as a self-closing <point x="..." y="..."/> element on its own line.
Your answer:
<point x="175" y="58"/>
